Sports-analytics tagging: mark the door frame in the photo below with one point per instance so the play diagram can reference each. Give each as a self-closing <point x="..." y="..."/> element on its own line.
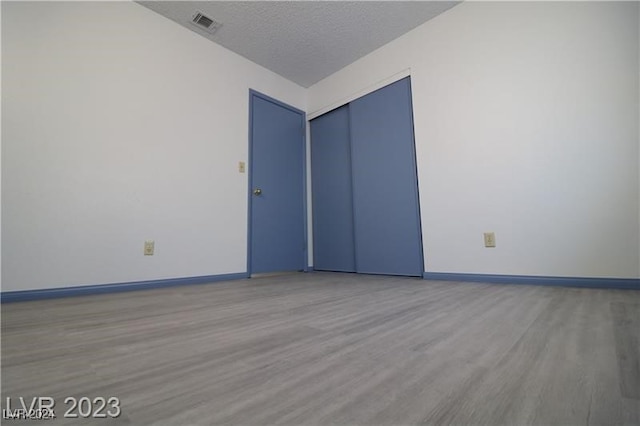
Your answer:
<point x="253" y="94"/>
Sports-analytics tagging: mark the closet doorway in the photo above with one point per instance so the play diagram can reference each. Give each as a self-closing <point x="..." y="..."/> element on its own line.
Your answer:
<point x="366" y="213"/>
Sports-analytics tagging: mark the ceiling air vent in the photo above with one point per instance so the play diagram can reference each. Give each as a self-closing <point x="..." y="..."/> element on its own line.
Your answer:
<point x="199" y="19"/>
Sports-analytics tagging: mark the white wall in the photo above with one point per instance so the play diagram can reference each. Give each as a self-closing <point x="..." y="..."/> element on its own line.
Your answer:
<point x="1" y="97"/>
<point x="526" y="124"/>
<point x="129" y="127"/>
<point x="119" y="126"/>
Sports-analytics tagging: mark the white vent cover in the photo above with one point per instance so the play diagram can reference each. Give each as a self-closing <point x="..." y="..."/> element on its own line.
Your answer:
<point x="202" y="21"/>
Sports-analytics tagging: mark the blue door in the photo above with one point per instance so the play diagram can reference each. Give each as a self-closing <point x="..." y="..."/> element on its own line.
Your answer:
<point x="277" y="186"/>
<point x="385" y="185"/>
<point x="333" y="238"/>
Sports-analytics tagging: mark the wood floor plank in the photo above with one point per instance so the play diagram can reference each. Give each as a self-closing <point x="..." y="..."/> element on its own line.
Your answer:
<point x="626" y="328"/>
<point x="331" y="348"/>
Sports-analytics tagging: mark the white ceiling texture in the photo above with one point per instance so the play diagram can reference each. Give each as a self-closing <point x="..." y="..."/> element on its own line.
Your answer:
<point x="303" y="41"/>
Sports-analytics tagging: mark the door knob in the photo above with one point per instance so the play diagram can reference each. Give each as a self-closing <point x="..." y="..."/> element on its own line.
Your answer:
<point x="257" y="191"/>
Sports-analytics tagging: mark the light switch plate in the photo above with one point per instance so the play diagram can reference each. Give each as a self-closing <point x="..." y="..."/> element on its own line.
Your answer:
<point x="489" y="239"/>
<point x="149" y="247"/>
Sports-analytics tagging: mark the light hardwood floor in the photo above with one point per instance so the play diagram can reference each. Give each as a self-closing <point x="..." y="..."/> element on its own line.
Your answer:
<point x="328" y="349"/>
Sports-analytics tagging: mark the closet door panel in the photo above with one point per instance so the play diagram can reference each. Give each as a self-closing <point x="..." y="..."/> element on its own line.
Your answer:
<point x="333" y="234"/>
<point x="385" y="193"/>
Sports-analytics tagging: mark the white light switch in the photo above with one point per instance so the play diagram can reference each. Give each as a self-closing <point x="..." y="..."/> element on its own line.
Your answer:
<point x="241" y="166"/>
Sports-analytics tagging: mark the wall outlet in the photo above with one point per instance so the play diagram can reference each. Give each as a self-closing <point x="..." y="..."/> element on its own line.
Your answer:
<point x="241" y="167"/>
<point x="149" y="246"/>
<point x="489" y="239"/>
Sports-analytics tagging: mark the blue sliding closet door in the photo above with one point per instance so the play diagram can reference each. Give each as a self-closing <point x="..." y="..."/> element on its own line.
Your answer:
<point x="385" y="187"/>
<point x="333" y="235"/>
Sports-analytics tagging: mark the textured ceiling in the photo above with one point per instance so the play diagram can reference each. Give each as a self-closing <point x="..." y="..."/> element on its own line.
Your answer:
<point x="303" y="41"/>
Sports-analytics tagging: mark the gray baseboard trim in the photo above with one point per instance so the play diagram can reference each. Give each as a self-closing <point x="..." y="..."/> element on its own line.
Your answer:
<point x="617" y="283"/>
<point x="53" y="293"/>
